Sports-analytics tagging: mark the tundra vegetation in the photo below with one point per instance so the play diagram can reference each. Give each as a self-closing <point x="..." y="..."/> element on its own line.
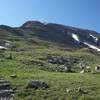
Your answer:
<point x="41" y="71"/>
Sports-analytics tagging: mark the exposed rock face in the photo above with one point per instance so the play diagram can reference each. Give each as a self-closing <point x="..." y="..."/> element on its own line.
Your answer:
<point x="6" y="91"/>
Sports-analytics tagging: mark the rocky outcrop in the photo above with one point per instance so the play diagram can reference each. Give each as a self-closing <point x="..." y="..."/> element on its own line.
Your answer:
<point x="62" y="60"/>
<point x="6" y="91"/>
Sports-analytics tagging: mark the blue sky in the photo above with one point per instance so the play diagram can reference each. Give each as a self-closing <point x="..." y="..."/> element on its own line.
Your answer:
<point x="78" y="13"/>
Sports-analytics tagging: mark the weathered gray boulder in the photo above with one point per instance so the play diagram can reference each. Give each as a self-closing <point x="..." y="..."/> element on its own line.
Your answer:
<point x="37" y="84"/>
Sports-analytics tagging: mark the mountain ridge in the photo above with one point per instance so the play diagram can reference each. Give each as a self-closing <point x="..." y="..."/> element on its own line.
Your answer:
<point x="56" y="33"/>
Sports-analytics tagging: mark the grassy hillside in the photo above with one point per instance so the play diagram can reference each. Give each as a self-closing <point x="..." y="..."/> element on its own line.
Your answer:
<point x="22" y="64"/>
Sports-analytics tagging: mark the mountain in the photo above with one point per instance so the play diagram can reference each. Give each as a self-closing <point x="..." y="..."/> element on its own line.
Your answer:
<point x="54" y="33"/>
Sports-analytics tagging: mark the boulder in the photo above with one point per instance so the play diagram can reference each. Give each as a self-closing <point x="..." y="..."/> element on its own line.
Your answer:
<point x="37" y="84"/>
<point x="13" y="76"/>
<point x="6" y="93"/>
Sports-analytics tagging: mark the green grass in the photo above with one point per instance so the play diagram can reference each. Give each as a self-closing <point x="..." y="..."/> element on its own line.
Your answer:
<point x="58" y="82"/>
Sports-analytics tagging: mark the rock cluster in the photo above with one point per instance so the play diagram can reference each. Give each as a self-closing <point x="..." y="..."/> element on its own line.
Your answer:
<point x="64" y="64"/>
<point x="6" y="91"/>
<point x="62" y="60"/>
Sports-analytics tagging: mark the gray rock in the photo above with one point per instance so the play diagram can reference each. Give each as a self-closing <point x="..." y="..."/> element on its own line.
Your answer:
<point x="6" y="91"/>
<point x="4" y="86"/>
<point x="37" y="84"/>
<point x="13" y="76"/>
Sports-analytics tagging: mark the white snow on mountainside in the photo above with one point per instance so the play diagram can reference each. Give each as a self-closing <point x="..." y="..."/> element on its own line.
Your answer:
<point x="95" y="38"/>
<point x="75" y="37"/>
<point x="92" y="46"/>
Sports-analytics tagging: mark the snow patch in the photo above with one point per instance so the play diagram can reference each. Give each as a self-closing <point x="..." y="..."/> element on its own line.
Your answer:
<point x="92" y="46"/>
<point x="75" y="37"/>
<point x="95" y="38"/>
